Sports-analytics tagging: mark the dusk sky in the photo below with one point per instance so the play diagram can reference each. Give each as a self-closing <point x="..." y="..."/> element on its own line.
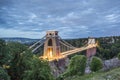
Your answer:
<point x="72" y="18"/>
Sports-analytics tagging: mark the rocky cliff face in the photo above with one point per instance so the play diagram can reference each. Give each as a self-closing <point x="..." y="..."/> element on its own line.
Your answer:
<point x="107" y="65"/>
<point x="112" y="63"/>
<point x="58" y="67"/>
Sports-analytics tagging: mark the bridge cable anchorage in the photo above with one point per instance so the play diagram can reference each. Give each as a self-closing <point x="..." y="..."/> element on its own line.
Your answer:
<point x="37" y="42"/>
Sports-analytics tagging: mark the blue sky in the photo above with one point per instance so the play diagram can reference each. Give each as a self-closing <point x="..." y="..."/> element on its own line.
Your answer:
<point x="72" y="18"/>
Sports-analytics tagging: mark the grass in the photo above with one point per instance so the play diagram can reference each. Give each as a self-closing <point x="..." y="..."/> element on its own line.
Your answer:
<point x="113" y="74"/>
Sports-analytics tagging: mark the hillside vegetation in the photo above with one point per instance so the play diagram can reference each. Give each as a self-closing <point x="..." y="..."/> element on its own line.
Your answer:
<point x="110" y="75"/>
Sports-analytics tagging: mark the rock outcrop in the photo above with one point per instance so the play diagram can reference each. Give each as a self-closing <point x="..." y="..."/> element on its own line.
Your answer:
<point x="59" y="66"/>
<point x="112" y="63"/>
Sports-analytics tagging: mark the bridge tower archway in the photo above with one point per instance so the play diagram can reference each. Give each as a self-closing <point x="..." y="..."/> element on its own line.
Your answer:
<point x="51" y="44"/>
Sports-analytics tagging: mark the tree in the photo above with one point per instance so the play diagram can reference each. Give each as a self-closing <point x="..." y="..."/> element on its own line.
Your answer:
<point x="77" y="66"/>
<point x="3" y="74"/>
<point x="19" y="62"/>
<point x="96" y="64"/>
<point x="39" y="70"/>
<point x="4" y="54"/>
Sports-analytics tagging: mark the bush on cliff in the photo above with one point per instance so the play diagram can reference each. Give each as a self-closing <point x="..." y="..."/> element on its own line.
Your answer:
<point x="77" y="66"/>
<point x="119" y="56"/>
<point x="96" y="64"/>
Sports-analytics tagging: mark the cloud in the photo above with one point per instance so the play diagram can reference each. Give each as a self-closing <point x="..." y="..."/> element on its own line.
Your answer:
<point x="32" y="16"/>
<point x="113" y="17"/>
<point x="18" y="33"/>
<point x="72" y="18"/>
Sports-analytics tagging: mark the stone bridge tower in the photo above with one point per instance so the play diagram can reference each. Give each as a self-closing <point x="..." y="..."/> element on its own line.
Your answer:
<point x="51" y="45"/>
<point x="92" y="51"/>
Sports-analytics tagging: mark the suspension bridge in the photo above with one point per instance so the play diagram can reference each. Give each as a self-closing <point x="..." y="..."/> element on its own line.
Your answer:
<point x="56" y="48"/>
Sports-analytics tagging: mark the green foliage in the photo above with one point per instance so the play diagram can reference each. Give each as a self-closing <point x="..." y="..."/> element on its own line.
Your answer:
<point x="4" y="54"/>
<point x="119" y="56"/>
<point x="3" y="74"/>
<point x="77" y="66"/>
<point x="39" y="70"/>
<point x="16" y="48"/>
<point x="19" y="61"/>
<point x="109" y="49"/>
<point x="109" y="75"/>
<point x="96" y="64"/>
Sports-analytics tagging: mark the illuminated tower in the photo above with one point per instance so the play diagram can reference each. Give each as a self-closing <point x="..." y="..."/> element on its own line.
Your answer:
<point x="51" y="45"/>
<point x="92" y="51"/>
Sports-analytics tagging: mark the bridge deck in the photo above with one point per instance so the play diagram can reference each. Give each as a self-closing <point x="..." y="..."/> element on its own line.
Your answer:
<point x="78" y="49"/>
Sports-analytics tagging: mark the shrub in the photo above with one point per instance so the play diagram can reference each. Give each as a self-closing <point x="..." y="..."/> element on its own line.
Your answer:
<point x="77" y="66"/>
<point x="96" y="64"/>
<point x="119" y="56"/>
